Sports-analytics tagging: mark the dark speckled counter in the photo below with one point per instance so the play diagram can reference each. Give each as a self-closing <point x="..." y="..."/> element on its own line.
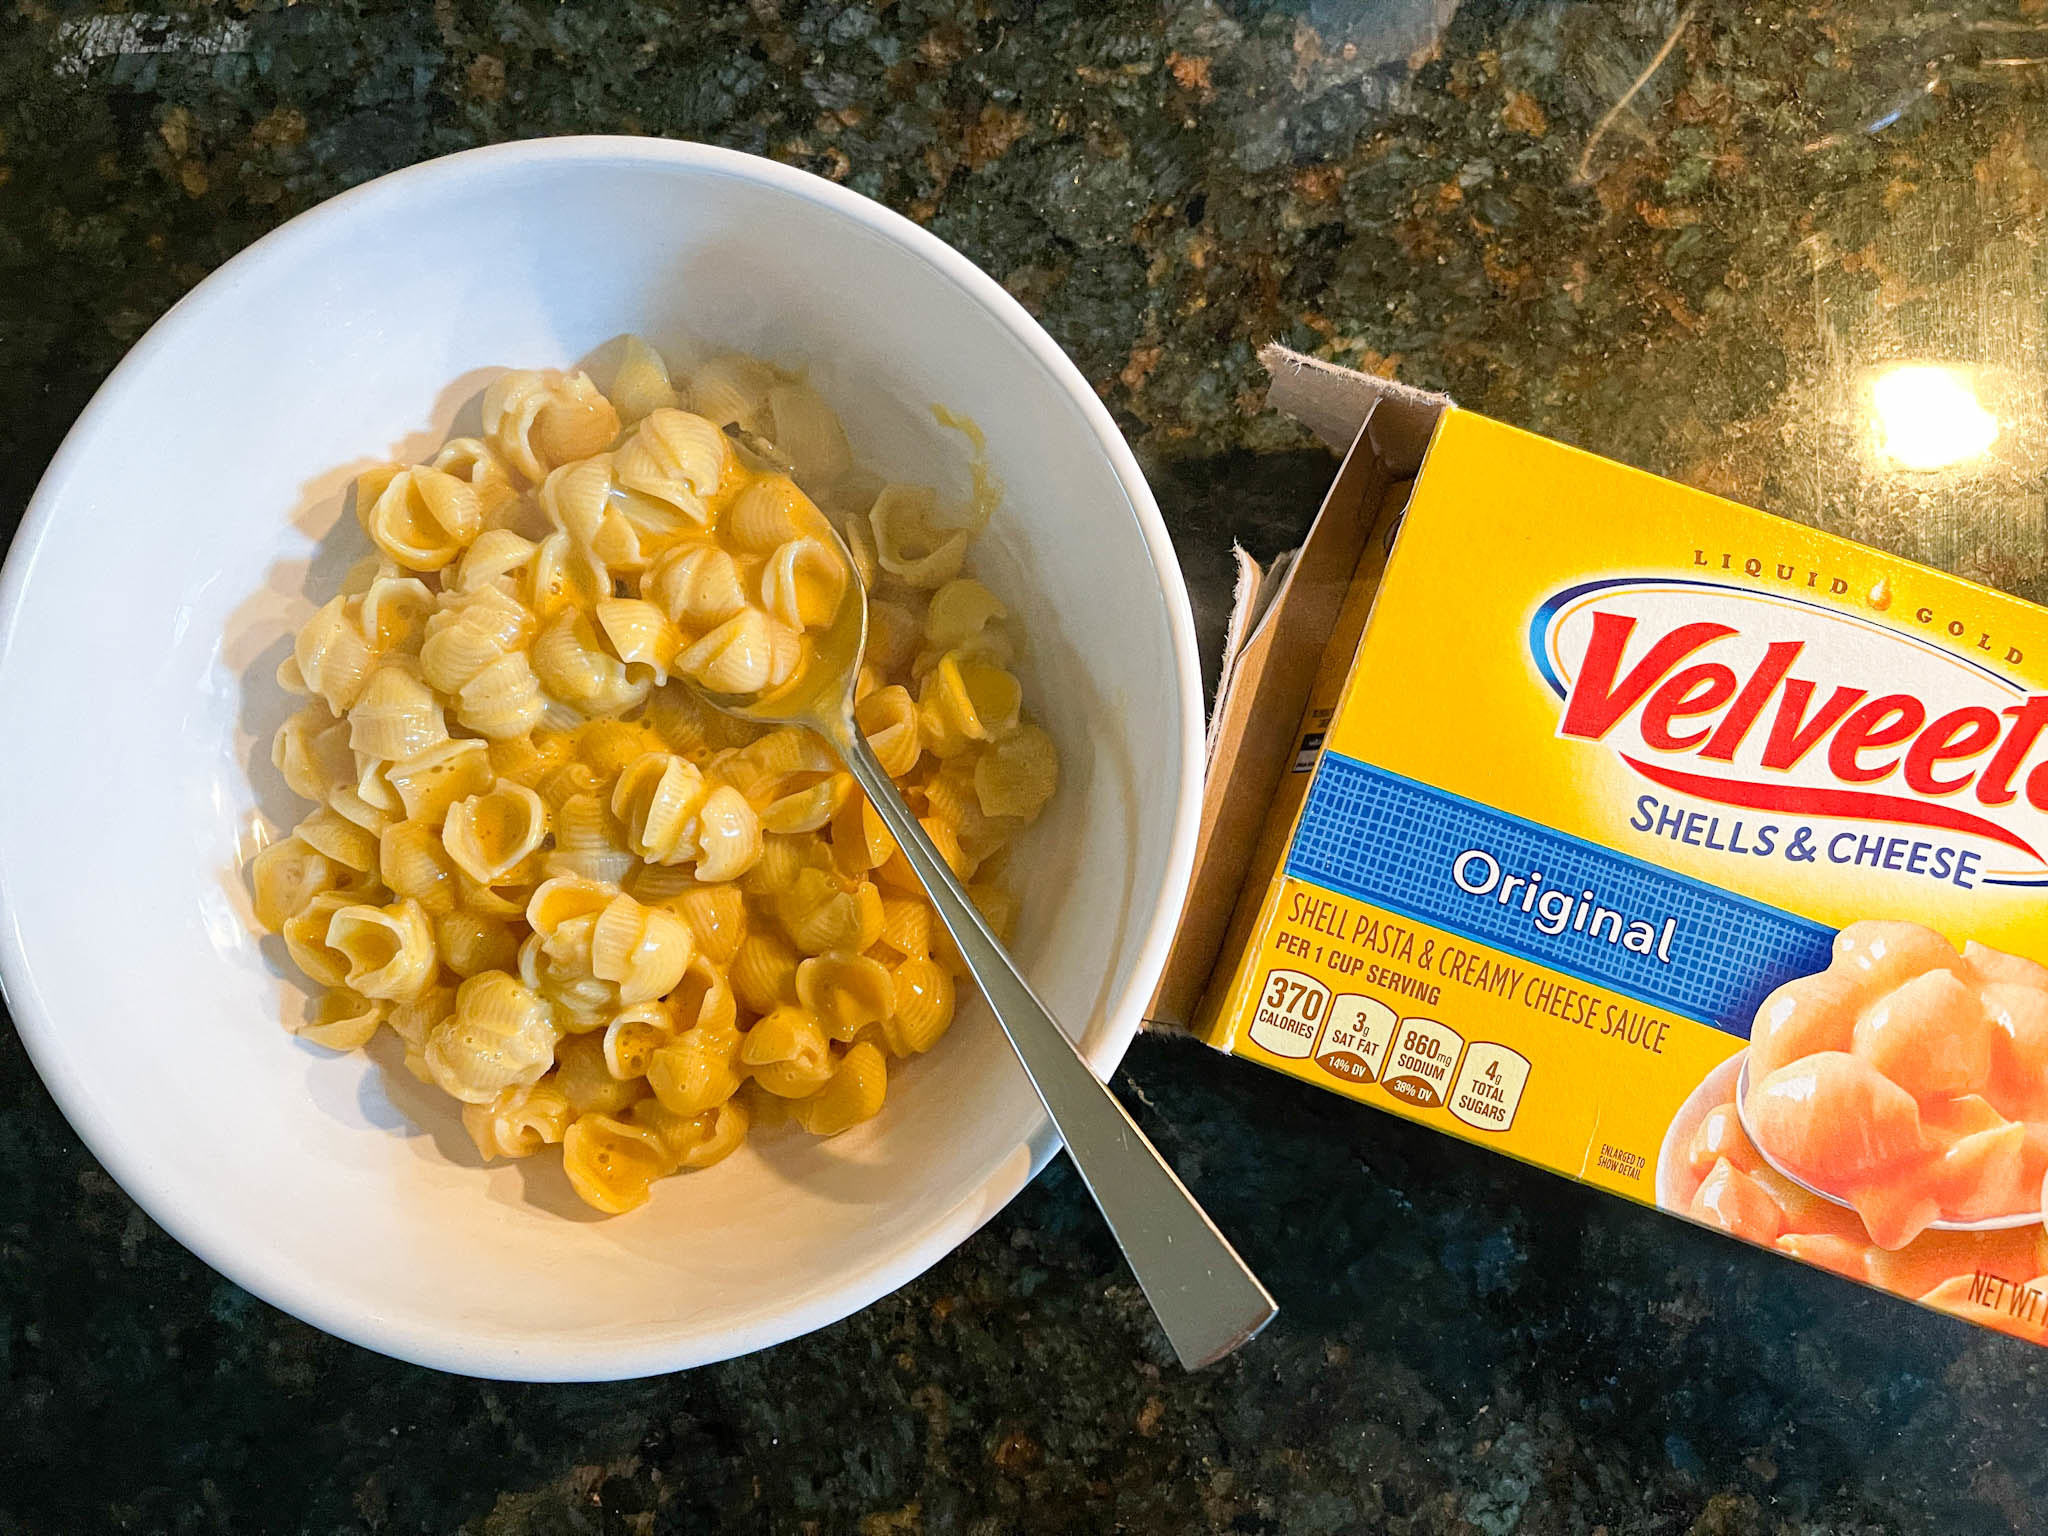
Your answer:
<point x="1677" y="235"/>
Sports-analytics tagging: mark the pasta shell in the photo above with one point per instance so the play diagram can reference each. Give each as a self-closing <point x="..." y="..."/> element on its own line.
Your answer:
<point x="414" y="1020"/>
<point x="455" y="652"/>
<point x="500" y="1034"/>
<point x="1017" y="775"/>
<point x="344" y="1020"/>
<point x="891" y="721"/>
<point x="396" y="717"/>
<point x="389" y="950"/>
<point x="503" y="700"/>
<point x="697" y="585"/>
<point x="924" y="1007"/>
<point x="434" y="780"/>
<point x="519" y="1121"/>
<point x="967" y="701"/>
<point x="860" y="839"/>
<point x="471" y="942"/>
<point x="641" y="385"/>
<point x="959" y="611"/>
<point x="564" y="899"/>
<point x="803" y="583"/>
<point x="574" y="667"/>
<point x="413" y="863"/>
<point x="589" y="843"/>
<point x="677" y="458"/>
<point x="311" y="753"/>
<point x="733" y="389"/>
<point x="523" y="760"/>
<point x="489" y="835"/>
<point x="787" y="1053"/>
<point x="639" y="633"/>
<point x="567" y="782"/>
<point x="341" y="841"/>
<point x="893" y="635"/>
<point x="537" y="419"/>
<point x="860" y="544"/>
<point x="853" y="1093"/>
<point x="908" y="543"/>
<point x="472" y="461"/>
<point x="657" y="799"/>
<point x="808" y="808"/>
<point x="728" y="837"/>
<point x="684" y="722"/>
<point x="782" y="859"/>
<point x="498" y="555"/>
<point x="424" y="518"/>
<point x="695" y="1141"/>
<point x="644" y="950"/>
<point x="764" y="971"/>
<point x="611" y="1163"/>
<point x="845" y="992"/>
<point x="659" y="883"/>
<point x="808" y="432"/>
<point x="577" y="498"/>
<point x="819" y="915"/>
<point x="394" y="611"/>
<point x="907" y="926"/>
<point x="334" y="660"/>
<point x="998" y="908"/>
<point x="285" y="878"/>
<point x="703" y="999"/>
<point x="717" y="915"/>
<point x="586" y="1079"/>
<point x="769" y="513"/>
<point x="747" y="654"/>
<point x="563" y="574"/>
<point x="305" y="936"/>
<point x="694" y="1072"/>
<point x="633" y="1036"/>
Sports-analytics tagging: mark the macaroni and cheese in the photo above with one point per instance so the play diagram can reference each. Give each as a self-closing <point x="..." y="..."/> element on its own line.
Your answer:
<point x="598" y="913"/>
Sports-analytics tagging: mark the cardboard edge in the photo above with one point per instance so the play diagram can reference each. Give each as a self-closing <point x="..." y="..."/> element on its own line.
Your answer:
<point x="1336" y="403"/>
<point x="1260" y="705"/>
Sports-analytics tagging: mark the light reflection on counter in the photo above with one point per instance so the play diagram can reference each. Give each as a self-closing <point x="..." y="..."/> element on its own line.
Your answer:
<point x="1926" y="416"/>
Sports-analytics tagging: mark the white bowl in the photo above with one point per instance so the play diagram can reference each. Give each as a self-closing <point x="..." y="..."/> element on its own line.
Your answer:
<point x="178" y="538"/>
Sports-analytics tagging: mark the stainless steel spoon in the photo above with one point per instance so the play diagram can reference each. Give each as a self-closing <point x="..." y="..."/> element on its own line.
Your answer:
<point x="1204" y="1296"/>
<point x="1989" y="1224"/>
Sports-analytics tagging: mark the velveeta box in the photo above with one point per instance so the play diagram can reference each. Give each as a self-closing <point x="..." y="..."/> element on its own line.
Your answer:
<point x="1673" y="847"/>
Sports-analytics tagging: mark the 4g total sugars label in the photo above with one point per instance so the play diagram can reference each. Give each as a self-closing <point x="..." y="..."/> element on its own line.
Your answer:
<point x="1689" y="852"/>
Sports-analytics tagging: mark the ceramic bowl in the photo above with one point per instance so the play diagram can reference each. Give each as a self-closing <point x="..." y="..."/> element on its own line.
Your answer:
<point x="194" y="516"/>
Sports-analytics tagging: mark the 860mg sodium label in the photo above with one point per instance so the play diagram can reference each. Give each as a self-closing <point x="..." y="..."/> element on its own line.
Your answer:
<point x="1425" y="1055"/>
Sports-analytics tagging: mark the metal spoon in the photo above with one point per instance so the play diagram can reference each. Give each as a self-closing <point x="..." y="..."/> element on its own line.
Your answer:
<point x="1203" y="1294"/>
<point x="1988" y="1224"/>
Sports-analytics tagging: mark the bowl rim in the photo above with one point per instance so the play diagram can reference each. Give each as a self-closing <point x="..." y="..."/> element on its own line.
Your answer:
<point x="544" y="1357"/>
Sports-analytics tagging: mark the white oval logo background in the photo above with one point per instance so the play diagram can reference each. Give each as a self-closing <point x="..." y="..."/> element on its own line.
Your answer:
<point x="1838" y="649"/>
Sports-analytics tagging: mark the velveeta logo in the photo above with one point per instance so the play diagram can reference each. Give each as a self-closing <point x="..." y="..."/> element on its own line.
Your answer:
<point x="1784" y="707"/>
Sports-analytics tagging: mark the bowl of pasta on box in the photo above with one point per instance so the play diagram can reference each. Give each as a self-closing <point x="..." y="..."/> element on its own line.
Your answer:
<point x="416" y="947"/>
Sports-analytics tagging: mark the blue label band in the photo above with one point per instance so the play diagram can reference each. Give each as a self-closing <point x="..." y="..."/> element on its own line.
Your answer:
<point x="1560" y="901"/>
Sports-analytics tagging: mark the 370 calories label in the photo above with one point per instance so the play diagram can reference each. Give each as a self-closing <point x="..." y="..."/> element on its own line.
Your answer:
<point x="1290" y="1014"/>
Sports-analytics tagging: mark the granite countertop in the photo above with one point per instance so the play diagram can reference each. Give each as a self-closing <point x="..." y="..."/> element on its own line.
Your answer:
<point x="1678" y="235"/>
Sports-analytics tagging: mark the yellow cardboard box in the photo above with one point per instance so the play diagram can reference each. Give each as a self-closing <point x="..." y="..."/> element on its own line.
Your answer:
<point x="1689" y="852"/>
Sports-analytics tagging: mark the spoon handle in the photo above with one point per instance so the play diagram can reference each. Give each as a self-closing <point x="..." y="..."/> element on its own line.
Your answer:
<point x="1203" y="1294"/>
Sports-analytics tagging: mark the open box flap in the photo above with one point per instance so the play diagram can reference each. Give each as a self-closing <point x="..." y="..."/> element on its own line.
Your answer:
<point x="1274" y="643"/>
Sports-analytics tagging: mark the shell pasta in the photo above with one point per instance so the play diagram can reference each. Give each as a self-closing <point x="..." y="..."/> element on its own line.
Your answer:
<point x="594" y="911"/>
